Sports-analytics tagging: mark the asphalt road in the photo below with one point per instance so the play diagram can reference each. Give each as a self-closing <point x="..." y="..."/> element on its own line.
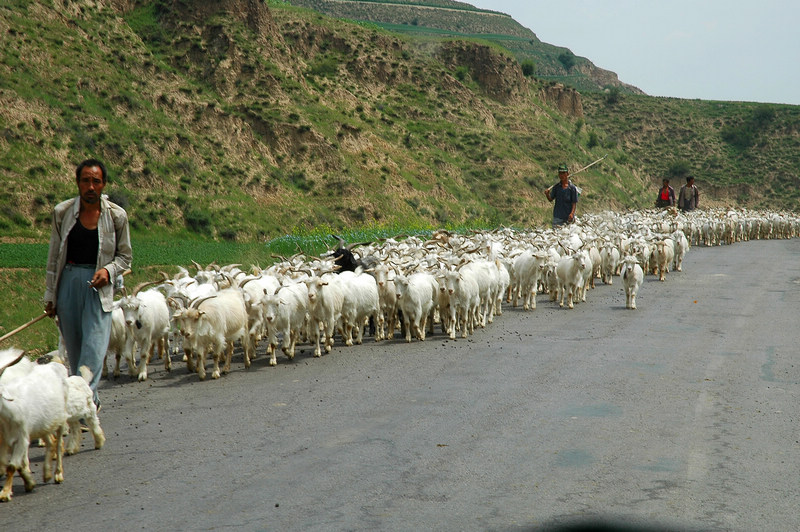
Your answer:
<point x="681" y="414"/>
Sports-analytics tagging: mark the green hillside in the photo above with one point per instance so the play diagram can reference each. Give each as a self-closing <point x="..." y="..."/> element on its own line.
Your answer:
<point x="243" y="121"/>
<point x="743" y="153"/>
<point x="450" y="19"/>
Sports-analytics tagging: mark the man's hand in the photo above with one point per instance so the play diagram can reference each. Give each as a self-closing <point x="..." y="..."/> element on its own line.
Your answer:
<point x="100" y="278"/>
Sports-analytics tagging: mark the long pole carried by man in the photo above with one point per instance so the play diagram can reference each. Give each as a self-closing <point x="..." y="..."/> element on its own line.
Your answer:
<point x="585" y="167"/>
<point x="565" y="194"/>
<point x="22" y="327"/>
<point x="588" y="165"/>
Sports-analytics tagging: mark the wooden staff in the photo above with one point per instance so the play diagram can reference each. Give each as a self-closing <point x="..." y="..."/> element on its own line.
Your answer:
<point x="588" y="165"/>
<point x="581" y="170"/>
<point x="37" y="318"/>
<point x="23" y="327"/>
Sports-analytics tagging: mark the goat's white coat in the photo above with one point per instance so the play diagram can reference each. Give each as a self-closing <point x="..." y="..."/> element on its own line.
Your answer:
<point x="417" y="296"/>
<point x="80" y="405"/>
<point x="147" y="319"/>
<point x="285" y="312"/>
<point x="213" y="326"/>
<point x="632" y="279"/>
<point x="569" y="272"/>
<point x="33" y="404"/>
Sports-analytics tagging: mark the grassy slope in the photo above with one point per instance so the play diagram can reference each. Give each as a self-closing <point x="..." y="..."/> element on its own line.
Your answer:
<point x="741" y="153"/>
<point x="758" y="165"/>
<point x="447" y="19"/>
<point x="207" y="129"/>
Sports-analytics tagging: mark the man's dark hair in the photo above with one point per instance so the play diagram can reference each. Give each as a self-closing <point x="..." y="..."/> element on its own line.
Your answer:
<point x="89" y="163"/>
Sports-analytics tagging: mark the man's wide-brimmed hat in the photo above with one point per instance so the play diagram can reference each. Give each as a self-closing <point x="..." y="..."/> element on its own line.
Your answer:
<point x="563" y="168"/>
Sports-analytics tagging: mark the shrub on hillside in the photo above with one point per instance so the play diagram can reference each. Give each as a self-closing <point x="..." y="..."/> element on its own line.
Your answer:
<point x="740" y="136"/>
<point x="743" y="135"/>
<point x="567" y="60"/>
<point x="678" y="169"/>
<point x="528" y="68"/>
<point x="612" y="95"/>
<point x="197" y="220"/>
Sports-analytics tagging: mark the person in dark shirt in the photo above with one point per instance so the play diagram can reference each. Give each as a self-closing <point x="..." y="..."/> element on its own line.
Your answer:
<point x="688" y="197"/>
<point x="90" y="248"/>
<point x="565" y="195"/>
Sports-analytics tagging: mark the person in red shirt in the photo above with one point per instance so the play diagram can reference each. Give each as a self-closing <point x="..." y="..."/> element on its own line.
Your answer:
<point x="666" y="195"/>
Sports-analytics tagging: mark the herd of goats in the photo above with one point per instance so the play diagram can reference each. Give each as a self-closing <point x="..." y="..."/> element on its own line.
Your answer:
<point x="405" y="284"/>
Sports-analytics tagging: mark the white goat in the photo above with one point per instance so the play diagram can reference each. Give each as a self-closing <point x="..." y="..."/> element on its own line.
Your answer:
<point x="180" y="292"/>
<point x="384" y="276"/>
<point x="593" y="254"/>
<point x="214" y="324"/>
<point x="444" y="303"/>
<point x="529" y="267"/>
<point x="609" y="258"/>
<point x="487" y="275"/>
<point x="587" y="273"/>
<point x="360" y="301"/>
<point x="32" y="405"/>
<point x="664" y="254"/>
<point x="504" y="281"/>
<point x="254" y="288"/>
<point x="80" y="405"/>
<point x="325" y="299"/>
<point x="286" y="312"/>
<point x="147" y="319"/>
<point x="464" y="302"/>
<point x="416" y="299"/>
<point x="632" y="278"/>
<point x="120" y="343"/>
<point x="549" y="279"/>
<point x="681" y="247"/>
<point x="569" y="272"/>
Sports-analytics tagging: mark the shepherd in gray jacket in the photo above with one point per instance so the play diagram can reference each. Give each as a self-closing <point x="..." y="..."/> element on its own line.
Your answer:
<point x="90" y="247"/>
<point x="689" y="197"/>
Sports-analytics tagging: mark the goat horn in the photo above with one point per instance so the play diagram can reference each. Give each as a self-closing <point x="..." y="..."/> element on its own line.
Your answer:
<point x="16" y="359"/>
<point x="341" y="240"/>
<point x="351" y="246"/>
<point x="196" y="303"/>
<point x="139" y="287"/>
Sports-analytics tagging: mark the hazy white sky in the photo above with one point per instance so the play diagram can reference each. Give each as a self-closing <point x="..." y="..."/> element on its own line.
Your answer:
<point x="738" y="50"/>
